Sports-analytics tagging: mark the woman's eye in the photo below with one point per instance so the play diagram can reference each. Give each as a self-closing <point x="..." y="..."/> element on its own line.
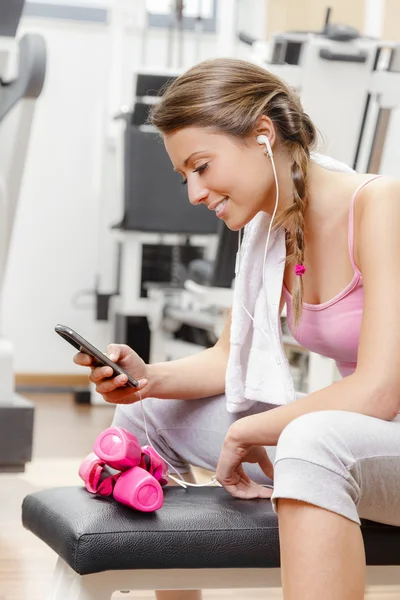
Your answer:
<point x="201" y="169"/>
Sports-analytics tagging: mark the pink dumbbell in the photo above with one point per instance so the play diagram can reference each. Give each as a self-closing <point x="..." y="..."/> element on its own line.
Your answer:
<point x="139" y="489"/>
<point x="97" y="477"/>
<point x="154" y="464"/>
<point x="118" y="448"/>
<point x="143" y="470"/>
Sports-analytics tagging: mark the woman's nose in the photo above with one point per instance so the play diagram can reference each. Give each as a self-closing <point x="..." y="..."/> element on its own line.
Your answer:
<point x="197" y="195"/>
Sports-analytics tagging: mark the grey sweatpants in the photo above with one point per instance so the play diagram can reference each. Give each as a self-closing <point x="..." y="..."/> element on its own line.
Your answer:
<point x="341" y="461"/>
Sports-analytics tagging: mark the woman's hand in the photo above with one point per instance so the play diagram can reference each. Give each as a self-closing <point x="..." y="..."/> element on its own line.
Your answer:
<point x="114" y="389"/>
<point x="230" y="472"/>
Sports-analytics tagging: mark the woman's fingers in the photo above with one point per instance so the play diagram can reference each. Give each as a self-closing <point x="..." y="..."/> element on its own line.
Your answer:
<point x="249" y="491"/>
<point x="113" y="352"/>
<point x="108" y="385"/>
<point x="100" y="373"/>
<point x="120" y="393"/>
<point x="266" y="465"/>
<point x="83" y="359"/>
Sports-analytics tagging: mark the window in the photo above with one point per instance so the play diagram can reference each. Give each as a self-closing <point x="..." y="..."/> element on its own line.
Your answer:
<point x="161" y="13"/>
<point x="95" y="11"/>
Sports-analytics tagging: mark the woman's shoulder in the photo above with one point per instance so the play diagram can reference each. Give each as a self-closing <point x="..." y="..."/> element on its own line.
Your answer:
<point x="376" y="190"/>
<point x="377" y="207"/>
<point x="342" y="174"/>
<point x="342" y="190"/>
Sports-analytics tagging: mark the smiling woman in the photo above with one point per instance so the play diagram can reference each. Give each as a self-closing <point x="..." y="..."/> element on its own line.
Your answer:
<point x="210" y="118"/>
<point x="210" y="178"/>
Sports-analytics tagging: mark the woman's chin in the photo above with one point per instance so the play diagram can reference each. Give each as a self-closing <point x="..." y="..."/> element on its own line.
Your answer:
<point x="236" y="224"/>
<point x="232" y="226"/>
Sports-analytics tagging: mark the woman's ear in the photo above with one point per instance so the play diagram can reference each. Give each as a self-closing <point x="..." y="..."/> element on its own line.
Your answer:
<point x="265" y="127"/>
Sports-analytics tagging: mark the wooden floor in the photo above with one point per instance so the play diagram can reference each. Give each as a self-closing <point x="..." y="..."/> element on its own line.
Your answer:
<point x="64" y="433"/>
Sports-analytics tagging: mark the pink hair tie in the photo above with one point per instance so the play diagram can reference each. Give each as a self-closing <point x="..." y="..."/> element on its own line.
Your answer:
<point x="299" y="270"/>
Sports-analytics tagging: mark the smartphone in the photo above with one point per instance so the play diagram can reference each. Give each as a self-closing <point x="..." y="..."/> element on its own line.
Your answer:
<point x="83" y="345"/>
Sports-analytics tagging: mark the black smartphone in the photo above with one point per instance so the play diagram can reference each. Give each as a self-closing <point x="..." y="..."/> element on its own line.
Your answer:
<point x="83" y="345"/>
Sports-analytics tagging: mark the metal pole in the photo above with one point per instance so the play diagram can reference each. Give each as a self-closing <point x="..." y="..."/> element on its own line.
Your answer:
<point x="198" y="27"/>
<point x="171" y="35"/>
<point x="378" y="144"/>
<point x="179" y="18"/>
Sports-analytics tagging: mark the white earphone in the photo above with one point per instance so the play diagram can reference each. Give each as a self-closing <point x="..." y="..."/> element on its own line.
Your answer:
<point x="263" y="139"/>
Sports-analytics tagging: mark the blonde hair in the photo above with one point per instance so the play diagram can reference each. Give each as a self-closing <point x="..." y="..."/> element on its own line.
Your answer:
<point x="230" y="96"/>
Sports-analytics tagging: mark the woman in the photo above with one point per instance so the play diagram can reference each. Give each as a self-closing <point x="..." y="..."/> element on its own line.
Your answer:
<point x="229" y="127"/>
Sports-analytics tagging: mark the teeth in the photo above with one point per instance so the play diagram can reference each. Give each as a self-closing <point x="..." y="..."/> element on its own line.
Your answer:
<point x="220" y="206"/>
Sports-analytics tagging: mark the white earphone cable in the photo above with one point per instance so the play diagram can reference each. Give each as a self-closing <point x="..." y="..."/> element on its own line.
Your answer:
<point x="265" y="255"/>
<point x="179" y="481"/>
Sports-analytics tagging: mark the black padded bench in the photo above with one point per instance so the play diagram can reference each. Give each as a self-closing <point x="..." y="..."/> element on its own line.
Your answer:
<point x="200" y="538"/>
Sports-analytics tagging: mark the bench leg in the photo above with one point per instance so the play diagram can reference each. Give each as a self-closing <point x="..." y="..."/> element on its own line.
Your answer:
<point x="68" y="585"/>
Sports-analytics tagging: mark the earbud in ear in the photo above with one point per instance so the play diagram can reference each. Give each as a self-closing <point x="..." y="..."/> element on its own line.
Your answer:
<point x="263" y="139"/>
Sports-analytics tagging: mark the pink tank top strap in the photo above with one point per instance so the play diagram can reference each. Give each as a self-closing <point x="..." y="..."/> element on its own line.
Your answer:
<point x="351" y="222"/>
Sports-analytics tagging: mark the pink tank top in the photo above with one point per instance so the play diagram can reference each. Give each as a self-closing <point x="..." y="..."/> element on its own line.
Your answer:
<point x="332" y="328"/>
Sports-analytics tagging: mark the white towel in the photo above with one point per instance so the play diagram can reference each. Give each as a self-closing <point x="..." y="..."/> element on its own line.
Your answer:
<point x="258" y="369"/>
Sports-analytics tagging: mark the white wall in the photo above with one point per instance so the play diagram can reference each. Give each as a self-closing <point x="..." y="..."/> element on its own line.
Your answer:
<point x="54" y="248"/>
<point x="252" y="17"/>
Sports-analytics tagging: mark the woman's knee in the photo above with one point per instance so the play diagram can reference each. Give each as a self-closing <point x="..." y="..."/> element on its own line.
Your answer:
<point x="313" y="463"/>
<point x="318" y="437"/>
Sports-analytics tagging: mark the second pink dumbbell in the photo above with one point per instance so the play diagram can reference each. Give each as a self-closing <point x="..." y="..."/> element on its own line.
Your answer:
<point x="118" y="448"/>
<point x="139" y="489"/>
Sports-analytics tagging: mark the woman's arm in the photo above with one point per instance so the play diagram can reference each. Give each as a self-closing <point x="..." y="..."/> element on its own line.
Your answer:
<point x="198" y="376"/>
<point x="374" y="388"/>
<point x="352" y="394"/>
